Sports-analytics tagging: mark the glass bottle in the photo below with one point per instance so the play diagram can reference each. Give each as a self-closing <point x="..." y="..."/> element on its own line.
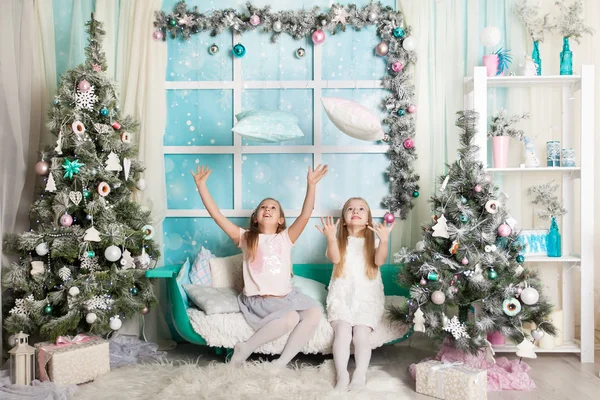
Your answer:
<point x="566" y="58"/>
<point x="535" y="55"/>
<point x="553" y="244"/>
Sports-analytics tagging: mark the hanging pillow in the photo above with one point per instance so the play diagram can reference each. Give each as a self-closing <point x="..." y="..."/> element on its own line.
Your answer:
<point x="353" y="119"/>
<point x="267" y="125"/>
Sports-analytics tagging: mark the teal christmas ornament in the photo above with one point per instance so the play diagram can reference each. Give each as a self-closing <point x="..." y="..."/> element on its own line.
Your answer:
<point x="520" y="259"/>
<point x="401" y="112"/>
<point x="463" y="218"/>
<point x="56" y="101"/>
<point x="172" y="22"/>
<point x="492" y="274"/>
<point x="86" y="193"/>
<point x="416" y="194"/>
<point x="432" y="276"/>
<point x="104" y="112"/>
<point x="134" y="291"/>
<point x="48" y="309"/>
<point x="91" y="253"/>
<point x="463" y="199"/>
<point x="71" y="168"/>
<point x="398" y="32"/>
<point x="239" y="50"/>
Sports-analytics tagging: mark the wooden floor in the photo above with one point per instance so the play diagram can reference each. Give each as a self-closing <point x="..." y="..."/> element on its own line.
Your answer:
<point x="557" y="376"/>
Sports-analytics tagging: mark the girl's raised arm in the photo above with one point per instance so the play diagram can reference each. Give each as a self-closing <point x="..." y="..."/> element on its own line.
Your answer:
<point x="312" y="178"/>
<point x="200" y="177"/>
<point x="383" y="232"/>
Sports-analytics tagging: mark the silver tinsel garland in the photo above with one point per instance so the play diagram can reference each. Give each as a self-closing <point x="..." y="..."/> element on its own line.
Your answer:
<point x="403" y="180"/>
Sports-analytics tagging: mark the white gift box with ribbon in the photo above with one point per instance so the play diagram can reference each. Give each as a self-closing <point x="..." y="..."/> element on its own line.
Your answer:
<point x="451" y="381"/>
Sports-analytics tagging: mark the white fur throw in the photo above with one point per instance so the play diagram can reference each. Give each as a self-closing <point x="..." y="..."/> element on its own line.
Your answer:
<point x="225" y="330"/>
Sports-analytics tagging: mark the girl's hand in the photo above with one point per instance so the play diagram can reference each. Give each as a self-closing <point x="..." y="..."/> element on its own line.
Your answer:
<point x="329" y="228"/>
<point x="315" y="176"/>
<point x="201" y="175"/>
<point x="382" y="231"/>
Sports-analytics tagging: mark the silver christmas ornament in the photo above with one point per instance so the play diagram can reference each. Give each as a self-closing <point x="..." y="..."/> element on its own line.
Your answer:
<point x="277" y="26"/>
<point x="372" y="16"/>
<point x="214" y="49"/>
<point x="300" y="52"/>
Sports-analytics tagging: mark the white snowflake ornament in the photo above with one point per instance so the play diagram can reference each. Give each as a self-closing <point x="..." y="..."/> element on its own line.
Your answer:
<point x="457" y="329"/>
<point x="102" y="129"/>
<point x="89" y="263"/>
<point x="85" y="100"/>
<point x="64" y="273"/>
<point x="341" y="16"/>
<point x="22" y="306"/>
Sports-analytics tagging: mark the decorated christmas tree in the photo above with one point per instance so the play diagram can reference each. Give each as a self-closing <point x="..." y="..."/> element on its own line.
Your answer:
<point x="82" y="265"/>
<point x="469" y="262"/>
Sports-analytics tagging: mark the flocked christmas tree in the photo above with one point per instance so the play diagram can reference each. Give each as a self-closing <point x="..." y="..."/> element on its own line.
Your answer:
<point x="82" y="265"/>
<point x="469" y="260"/>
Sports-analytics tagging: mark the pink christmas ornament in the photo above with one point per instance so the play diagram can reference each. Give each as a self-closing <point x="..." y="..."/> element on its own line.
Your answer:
<point x="397" y="66"/>
<point x="504" y="230"/>
<point x="66" y="220"/>
<point x="389" y="218"/>
<point x="157" y="35"/>
<point x="318" y="36"/>
<point x="254" y="20"/>
<point x="518" y="290"/>
<point x="83" y="86"/>
<point x="465" y="261"/>
<point x="455" y="290"/>
<point x="42" y="168"/>
<point x="455" y="277"/>
<point x="412" y="109"/>
<point x="477" y="189"/>
<point x="409" y="144"/>
<point x="423" y="282"/>
<point x="382" y="49"/>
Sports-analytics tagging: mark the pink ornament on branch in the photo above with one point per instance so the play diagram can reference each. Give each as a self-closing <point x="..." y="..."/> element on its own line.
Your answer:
<point x="318" y="36"/>
<point x="397" y="66"/>
<point x="409" y="144"/>
<point x="412" y="109"/>
<point x="389" y="218"/>
<point x="66" y="220"/>
<point x="254" y="20"/>
<point x="504" y="230"/>
<point x="84" y="86"/>
<point x="42" y="168"/>
<point x="464" y="261"/>
<point x="382" y="49"/>
<point x="477" y="189"/>
<point x="157" y="35"/>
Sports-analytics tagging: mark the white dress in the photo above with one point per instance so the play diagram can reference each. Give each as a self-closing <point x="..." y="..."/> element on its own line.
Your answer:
<point x="354" y="298"/>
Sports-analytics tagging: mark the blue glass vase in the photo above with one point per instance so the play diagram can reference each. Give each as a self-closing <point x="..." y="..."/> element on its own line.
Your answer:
<point x="535" y="55"/>
<point x="566" y="58"/>
<point x="553" y="240"/>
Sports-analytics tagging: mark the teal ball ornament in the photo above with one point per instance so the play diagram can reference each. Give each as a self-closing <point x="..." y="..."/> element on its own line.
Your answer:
<point x="520" y="259"/>
<point x="48" y="309"/>
<point x="172" y="22"/>
<point x="463" y="218"/>
<point x="134" y="291"/>
<point x="398" y="32"/>
<point x="239" y="50"/>
<point x="416" y="194"/>
<point x="492" y="274"/>
<point x="91" y="253"/>
<point x="104" y="112"/>
<point x="401" y="112"/>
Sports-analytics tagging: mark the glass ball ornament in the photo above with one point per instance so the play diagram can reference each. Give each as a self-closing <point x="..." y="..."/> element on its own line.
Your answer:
<point x="318" y="36"/>
<point x="172" y="22"/>
<point x="409" y="43"/>
<point x="401" y="112"/>
<point x="157" y="35"/>
<point x="398" y="32"/>
<point x="323" y="22"/>
<point x="300" y="52"/>
<point x="463" y="218"/>
<point x="408" y="144"/>
<point x="412" y="109"/>
<point x="372" y="16"/>
<point x="41" y="249"/>
<point x="213" y="49"/>
<point x="537" y="334"/>
<point x="438" y="297"/>
<point x="112" y="253"/>
<point x="86" y="193"/>
<point x="74" y="291"/>
<point x="91" y="253"/>
<point x="463" y="199"/>
<point x="104" y="112"/>
<point x="511" y="307"/>
<point x="145" y="310"/>
<point x="89" y="217"/>
<point x="90" y="318"/>
<point x="530" y="296"/>
<point x="420" y="246"/>
<point x="382" y="49"/>
<point x="477" y="189"/>
<point x="504" y="230"/>
<point x="464" y="261"/>
<point x="397" y="66"/>
<point x="83" y="86"/>
<point x="520" y="259"/>
<point x="66" y="220"/>
<point x="389" y="218"/>
<point x="56" y="101"/>
<point x="42" y="168"/>
<point x="277" y="26"/>
<point x="239" y="50"/>
<point x="254" y="20"/>
<point x="423" y="282"/>
<point x="134" y="291"/>
<point x="115" y="323"/>
<point x="415" y="194"/>
<point x="141" y="184"/>
<point x="48" y="309"/>
<point x="492" y="274"/>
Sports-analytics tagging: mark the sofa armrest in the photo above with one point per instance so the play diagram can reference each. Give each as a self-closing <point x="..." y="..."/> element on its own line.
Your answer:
<point x="166" y="271"/>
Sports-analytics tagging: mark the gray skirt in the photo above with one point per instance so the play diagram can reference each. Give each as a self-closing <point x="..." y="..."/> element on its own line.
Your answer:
<point x="259" y="310"/>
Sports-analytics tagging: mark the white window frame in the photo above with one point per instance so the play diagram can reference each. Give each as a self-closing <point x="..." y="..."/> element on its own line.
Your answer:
<point x="237" y="150"/>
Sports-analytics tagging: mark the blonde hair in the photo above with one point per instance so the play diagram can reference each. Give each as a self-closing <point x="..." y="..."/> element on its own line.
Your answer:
<point x="253" y="230"/>
<point x="342" y="239"/>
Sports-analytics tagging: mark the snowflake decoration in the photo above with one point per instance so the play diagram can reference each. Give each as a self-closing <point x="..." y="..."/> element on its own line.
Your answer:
<point x="457" y="329"/>
<point x="98" y="303"/>
<point x="64" y="273"/>
<point x="102" y="128"/>
<point x="89" y="263"/>
<point x="96" y="67"/>
<point x="21" y="307"/>
<point x="341" y="16"/>
<point x="85" y="100"/>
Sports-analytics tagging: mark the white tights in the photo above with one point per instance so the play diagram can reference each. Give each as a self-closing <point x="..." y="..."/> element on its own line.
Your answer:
<point x="359" y="336"/>
<point x="304" y="324"/>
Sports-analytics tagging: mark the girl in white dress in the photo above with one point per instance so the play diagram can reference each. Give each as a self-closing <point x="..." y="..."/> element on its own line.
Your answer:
<point x="355" y="302"/>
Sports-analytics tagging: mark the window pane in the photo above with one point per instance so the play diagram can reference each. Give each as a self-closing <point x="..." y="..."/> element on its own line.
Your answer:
<point x="280" y="176"/>
<point x="296" y="101"/>
<point x="199" y="118"/>
<point x="354" y="175"/>
<point x="181" y="189"/>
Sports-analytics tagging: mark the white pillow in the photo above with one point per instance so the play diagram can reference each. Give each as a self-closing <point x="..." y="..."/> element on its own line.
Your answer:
<point x="227" y="272"/>
<point x="353" y="119"/>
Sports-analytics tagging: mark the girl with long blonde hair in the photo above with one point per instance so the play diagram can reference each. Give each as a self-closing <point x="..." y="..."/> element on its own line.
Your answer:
<point x="355" y="301"/>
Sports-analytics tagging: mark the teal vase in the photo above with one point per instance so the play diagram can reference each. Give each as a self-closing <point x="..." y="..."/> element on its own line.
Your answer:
<point x="566" y="58"/>
<point x="535" y="55"/>
<point x="553" y="240"/>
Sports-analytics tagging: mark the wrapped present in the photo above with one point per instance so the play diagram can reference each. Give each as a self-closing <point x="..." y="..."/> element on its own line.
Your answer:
<point x="451" y="381"/>
<point x="72" y="361"/>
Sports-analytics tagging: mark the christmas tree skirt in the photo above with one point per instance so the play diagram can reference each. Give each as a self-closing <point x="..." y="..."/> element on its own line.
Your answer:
<point x="253" y="380"/>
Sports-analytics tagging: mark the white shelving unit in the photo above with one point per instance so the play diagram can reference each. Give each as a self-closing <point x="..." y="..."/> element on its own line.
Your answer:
<point x="476" y="97"/>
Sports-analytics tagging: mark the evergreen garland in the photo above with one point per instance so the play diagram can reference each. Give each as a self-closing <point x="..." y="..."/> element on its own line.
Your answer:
<point x="403" y="180"/>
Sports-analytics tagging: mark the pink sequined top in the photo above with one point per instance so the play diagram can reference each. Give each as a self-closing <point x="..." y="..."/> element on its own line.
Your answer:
<point x="270" y="271"/>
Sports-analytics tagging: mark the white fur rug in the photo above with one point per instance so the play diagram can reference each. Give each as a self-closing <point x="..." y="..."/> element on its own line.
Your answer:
<point x="252" y="381"/>
<point x="225" y="330"/>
